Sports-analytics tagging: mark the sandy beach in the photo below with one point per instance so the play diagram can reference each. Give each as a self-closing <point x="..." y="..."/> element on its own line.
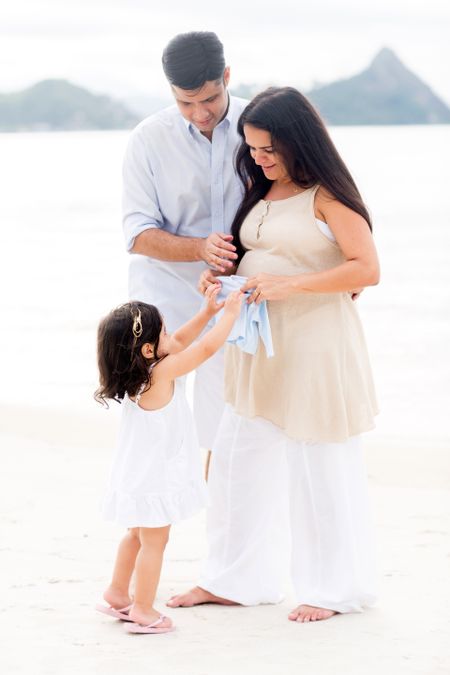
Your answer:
<point x="56" y="557"/>
<point x="56" y="553"/>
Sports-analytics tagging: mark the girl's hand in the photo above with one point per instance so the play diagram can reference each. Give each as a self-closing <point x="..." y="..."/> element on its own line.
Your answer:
<point x="212" y="306"/>
<point x="268" y="287"/>
<point x="207" y="278"/>
<point x="233" y="303"/>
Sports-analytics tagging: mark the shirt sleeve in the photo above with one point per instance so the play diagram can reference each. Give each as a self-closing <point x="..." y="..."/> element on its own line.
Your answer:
<point x="140" y="206"/>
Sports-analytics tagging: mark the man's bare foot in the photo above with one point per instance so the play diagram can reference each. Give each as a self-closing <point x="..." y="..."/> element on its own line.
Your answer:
<point x="116" y="599"/>
<point x="306" y="613"/>
<point x="197" y="596"/>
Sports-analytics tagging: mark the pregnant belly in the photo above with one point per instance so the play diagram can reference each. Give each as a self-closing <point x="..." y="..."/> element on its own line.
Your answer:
<point x="255" y="262"/>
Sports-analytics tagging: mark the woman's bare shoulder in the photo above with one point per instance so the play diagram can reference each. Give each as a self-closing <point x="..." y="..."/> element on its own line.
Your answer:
<point x="329" y="208"/>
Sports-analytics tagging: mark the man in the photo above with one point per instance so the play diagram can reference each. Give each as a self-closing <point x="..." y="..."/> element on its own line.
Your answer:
<point x="180" y="196"/>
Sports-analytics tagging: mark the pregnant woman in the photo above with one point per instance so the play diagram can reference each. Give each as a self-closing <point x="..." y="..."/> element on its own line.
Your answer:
<point x="289" y="444"/>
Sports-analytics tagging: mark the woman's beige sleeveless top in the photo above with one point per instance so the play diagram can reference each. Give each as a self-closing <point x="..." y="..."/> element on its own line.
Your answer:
<point x="318" y="386"/>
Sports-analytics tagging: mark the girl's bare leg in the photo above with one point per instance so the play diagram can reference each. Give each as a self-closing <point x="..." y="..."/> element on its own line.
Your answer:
<point x="148" y="570"/>
<point x="117" y="593"/>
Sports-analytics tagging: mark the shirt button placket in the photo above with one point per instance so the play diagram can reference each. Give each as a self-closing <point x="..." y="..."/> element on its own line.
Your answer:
<point x="217" y="159"/>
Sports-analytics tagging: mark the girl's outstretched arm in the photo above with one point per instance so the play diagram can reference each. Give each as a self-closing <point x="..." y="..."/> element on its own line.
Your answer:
<point x="187" y="333"/>
<point x="175" y="365"/>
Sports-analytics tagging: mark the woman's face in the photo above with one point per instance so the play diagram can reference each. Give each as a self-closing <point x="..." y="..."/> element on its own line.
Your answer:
<point x="260" y="144"/>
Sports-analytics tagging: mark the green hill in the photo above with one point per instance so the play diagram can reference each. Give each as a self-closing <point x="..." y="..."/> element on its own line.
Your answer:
<point x="56" y="105"/>
<point x="385" y="93"/>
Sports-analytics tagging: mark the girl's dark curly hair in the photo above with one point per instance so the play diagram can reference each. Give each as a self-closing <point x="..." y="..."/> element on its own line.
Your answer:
<point x="121" y="334"/>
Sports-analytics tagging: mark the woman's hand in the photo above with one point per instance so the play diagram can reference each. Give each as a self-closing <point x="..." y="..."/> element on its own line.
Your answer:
<point x="212" y="306"/>
<point x="207" y="278"/>
<point x="268" y="287"/>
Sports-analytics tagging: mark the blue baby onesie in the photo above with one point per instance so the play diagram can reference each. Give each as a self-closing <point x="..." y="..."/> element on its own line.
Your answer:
<point x="253" y="321"/>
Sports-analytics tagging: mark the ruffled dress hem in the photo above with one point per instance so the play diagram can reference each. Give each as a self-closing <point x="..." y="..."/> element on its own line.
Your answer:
<point x="154" y="509"/>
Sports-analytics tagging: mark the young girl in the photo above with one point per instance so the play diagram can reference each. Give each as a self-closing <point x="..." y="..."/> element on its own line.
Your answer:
<point x="156" y="478"/>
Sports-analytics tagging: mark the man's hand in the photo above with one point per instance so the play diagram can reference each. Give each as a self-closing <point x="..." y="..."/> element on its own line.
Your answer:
<point x="218" y="251"/>
<point x="207" y="278"/>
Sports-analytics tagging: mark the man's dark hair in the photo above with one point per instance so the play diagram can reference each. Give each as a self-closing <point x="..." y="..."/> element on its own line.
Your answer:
<point x="191" y="59"/>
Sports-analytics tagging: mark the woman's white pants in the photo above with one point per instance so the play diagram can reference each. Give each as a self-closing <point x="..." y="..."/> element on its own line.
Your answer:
<point x="259" y="481"/>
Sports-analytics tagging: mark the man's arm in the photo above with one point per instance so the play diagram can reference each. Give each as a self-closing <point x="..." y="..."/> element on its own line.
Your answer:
<point x="143" y="220"/>
<point x="162" y="245"/>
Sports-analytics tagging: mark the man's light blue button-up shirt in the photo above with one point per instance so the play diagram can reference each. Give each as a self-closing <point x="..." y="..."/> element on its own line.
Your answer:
<point x="177" y="180"/>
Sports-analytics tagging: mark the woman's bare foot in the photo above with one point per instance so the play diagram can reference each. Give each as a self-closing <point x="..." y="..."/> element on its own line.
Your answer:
<point x="305" y="613"/>
<point x="147" y="616"/>
<point x="116" y="599"/>
<point x="197" y="596"/>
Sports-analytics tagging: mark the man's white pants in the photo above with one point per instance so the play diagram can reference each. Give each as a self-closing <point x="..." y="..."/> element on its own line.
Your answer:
<point x="209" y="398"/>
<point x="172" y="287"/>
<point x="258" y="476"/>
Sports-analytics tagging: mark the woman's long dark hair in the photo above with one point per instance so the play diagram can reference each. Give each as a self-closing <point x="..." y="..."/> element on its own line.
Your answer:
<point x="300" y="137"/>
<point x="120" y="336"/>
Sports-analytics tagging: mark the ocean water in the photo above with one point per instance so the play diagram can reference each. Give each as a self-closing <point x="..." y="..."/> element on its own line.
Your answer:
<point x="63" y="266"/>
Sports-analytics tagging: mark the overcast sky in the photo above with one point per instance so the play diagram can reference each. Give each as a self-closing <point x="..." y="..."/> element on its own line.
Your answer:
<point x="114" y="46"/>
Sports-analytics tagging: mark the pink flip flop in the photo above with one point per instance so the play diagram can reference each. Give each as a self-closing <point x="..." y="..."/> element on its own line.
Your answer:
<point x="151" y="628"/>
<point x="121" y="614"/>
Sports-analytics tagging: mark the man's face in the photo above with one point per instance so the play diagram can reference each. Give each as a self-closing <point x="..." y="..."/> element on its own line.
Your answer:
<point x="204" y="107"/>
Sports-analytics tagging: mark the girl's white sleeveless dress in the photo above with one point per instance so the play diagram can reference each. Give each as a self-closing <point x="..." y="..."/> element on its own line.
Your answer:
<point x="156" y="477"/>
